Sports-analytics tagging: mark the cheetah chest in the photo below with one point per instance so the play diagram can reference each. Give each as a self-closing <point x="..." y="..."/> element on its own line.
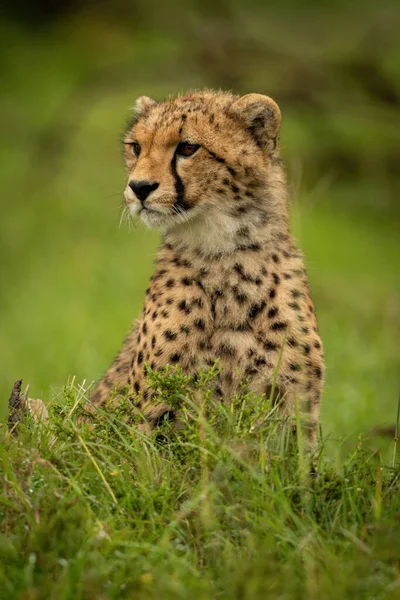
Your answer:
<point x="196" y="316"/>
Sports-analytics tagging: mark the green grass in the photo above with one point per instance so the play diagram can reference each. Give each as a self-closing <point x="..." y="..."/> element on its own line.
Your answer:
<point x="226" y="509"/>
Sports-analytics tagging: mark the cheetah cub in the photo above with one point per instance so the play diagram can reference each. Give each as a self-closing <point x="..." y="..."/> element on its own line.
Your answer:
<point x="229" y="281"/>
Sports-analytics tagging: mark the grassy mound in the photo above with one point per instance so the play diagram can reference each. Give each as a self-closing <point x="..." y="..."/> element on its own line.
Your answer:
<point x="227" y="508"/>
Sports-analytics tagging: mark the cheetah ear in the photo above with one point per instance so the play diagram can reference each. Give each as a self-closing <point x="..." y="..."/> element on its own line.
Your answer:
<point x="143" y="104"/>
<point x="261" y="116"/>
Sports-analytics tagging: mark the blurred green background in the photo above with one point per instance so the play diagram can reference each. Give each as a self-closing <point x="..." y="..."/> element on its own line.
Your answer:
<point x="72" y="277"/>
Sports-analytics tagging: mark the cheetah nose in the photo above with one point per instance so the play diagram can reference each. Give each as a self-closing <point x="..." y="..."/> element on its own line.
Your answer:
<point x="142" y="188"/>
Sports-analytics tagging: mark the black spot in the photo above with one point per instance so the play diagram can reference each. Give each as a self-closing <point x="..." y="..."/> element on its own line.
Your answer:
<point x="198" y="302"/>
<point x="170" y="283"/>
<point x="296" y="293"/>
<point x="175" y="357"/>
<point x="153" y="342"/>
<point x="268" y="345"/>
<point x="254" y="248"/>
<point x="294" y="367"/>
<point x="226" y="349"/>
<point x="199" y="323"/>
<point x="164" y="313"/>
<point x="140" y="357"/>
<point x="169" y="335"/>
<point x="318" y="372"/>
<point x="272" y="312"/>
<point x="249" y="371"/>
<point x="232" y="171"/>
<point x="185" y="329"/>
<point x="255" y="309"/>
<point x="238" y="267"/>
<point x="184" y="307"/>
<point x="259" y="362"/>
<point x="317" y="344"/>
<point x="186" y="281"/>
<point x="225" y="181"/>
<point x="276" y="278"/>
<point x="272" y="293"/>
<point x="144" y="328"/>
<point x="287" y="276"/>
<point x="204" y="345"/>
<point x="306" y="348"/>
<point x="294" y="305"/>
<point x="136" y="387"/>
<point x="244" y="231"/>
<point x="154" y="315"/>
<point x="292" y="342"/>
<point x="235" y="189"/>
<point x="169" y="301"/>
<point x="241" y="298"/>
<point x="275" y="258"/>
<point x="304" y="329"/>
<point x="278" y="325"/>
<point x="159" y="274"/>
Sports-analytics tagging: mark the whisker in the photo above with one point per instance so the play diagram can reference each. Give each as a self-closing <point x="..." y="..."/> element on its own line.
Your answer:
<point x="112" y="195"/>
<point x="123" y="216"/>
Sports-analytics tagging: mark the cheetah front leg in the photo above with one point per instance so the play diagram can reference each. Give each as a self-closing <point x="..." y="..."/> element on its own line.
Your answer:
<point x="117" y="376"/>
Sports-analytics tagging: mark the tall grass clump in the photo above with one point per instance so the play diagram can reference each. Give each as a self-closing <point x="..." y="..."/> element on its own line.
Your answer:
<point x="226" y="507"/>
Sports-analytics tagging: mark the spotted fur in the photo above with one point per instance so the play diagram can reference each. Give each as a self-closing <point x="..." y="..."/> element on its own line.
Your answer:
<point x="229" y="281"/>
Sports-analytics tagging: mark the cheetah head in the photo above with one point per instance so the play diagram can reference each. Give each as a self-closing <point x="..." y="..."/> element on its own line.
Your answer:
<point x="207" y="159"/>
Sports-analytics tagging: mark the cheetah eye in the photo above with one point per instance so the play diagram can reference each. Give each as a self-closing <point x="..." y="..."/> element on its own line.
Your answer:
<point x="136" y="148"/>
<point x="186" y="149"/>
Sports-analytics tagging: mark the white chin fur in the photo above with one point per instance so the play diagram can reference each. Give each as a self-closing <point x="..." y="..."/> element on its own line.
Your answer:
<point x="155" y="220"/>
<point x="161" y="220"/>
